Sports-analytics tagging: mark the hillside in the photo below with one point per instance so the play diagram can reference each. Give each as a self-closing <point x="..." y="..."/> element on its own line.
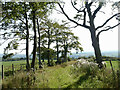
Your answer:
<point x="87" y="54"/>
<point x="75" y="55"/>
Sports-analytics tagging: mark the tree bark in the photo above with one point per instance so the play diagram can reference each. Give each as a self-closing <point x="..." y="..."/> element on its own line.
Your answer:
<point x="95" y="44"/>
<point x="27" y="41"/>
<point x="48" y="47"/>
<point x="95" y="39"/>
<point x="35" y="39"/>
<point x="57" y="52"/>
<point x="40" y="63"/>
<point x="65" y="52"/>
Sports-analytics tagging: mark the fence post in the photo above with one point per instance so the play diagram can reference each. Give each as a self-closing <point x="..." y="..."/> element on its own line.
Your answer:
<point x="118" y="77"/>
<point x="13" y="69"/>
<point x="2" y="72"/>
<point x="20" y="66"/>
<point x="113" y="72"/>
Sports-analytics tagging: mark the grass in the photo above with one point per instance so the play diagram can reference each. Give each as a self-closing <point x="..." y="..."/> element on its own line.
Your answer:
<point x="114" y="64"/>
<point x="60" y="76"/>
<point x="54" y="77"/>
<point x="8" y="66"/>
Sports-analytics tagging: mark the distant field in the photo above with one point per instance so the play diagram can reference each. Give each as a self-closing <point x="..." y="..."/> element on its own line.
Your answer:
<point x="9" y="63"/>
<point x="17" y="65"/>
<point x="114" y="63"/>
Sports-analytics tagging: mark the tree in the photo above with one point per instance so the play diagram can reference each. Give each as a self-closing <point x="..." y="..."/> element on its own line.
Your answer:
<point x="85" y="13"/>
<point x="69" y="42"/>
<point x="39" y="9"/>
<point x="44" y="54"/>
<point x="57" y="38"/>
<point x="48" y="36"/>
<point x="16" y="13"/>
<point x="65" y="40"/>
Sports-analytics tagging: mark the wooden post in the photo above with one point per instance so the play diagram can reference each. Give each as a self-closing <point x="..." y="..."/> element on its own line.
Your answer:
<point x="112" y="71"/>
<point x="111" y="65"/>
<point x="2" y="72"/>
<point x="118" y="77"/>
<point x="13" y="69"/>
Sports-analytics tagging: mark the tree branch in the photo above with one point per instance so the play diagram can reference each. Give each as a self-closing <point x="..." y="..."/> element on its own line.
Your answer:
<point x="91" y="3"/>
<point x="84" y="23"/>
<point x="107" y="21"/>
<point x="97" y="10"/>
<point x="22" y="21"/>
<point x="73" y="26"/>
<point x="107" y="29"/>
<point x="85" y="26"/>
<point x="59" y="11"/>
<point x="3" y="42"/>
<point x="76" y="8"/>
<point x="19" y="52"/>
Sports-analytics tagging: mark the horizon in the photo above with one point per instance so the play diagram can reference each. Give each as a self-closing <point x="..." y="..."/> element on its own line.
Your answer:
<point x="80" y="52"/>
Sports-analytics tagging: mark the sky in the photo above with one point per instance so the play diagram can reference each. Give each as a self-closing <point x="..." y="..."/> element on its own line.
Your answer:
<point x="108" y="40"/>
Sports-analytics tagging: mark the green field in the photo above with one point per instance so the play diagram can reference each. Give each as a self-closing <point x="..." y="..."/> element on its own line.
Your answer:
<point x="115" y="64"/>
<point x="17" y="65"/>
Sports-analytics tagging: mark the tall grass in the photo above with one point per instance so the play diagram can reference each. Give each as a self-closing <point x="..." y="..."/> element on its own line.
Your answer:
<point x="67" y="75"/>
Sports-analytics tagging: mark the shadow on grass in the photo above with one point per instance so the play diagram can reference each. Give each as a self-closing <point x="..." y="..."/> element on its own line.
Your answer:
<point x="82" y="79"/>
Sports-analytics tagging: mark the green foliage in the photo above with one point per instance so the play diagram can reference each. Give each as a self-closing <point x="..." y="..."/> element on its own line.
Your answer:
<point x="44" y="52"/>
<point x="15" y="17"/>
<point x="52" y="63"/>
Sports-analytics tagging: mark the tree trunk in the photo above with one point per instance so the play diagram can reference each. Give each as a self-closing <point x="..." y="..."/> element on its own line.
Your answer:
<point x="95" y="40"/>
<point x="57" y="52"/>
<point x="48" y="54"/>
<point x="35" y="39"/>
<point x="95" y="44"/>
<point x="27" y="41"/>
<point x="65" y="53"/>
<point x="40" y="63"/>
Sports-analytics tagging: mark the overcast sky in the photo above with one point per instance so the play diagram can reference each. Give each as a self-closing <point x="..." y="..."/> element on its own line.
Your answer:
<point x="108" y="40"/>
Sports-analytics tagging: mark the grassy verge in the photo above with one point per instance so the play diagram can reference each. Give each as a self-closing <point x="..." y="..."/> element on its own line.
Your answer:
<point x="63" y="76"/>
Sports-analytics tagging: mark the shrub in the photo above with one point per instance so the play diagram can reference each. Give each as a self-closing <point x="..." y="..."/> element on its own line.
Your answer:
<point x="83" y="66"/>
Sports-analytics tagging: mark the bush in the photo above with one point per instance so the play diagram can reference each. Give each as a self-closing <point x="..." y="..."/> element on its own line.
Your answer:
<point x="91" y="73"/>
<point x="83" y="66"/>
